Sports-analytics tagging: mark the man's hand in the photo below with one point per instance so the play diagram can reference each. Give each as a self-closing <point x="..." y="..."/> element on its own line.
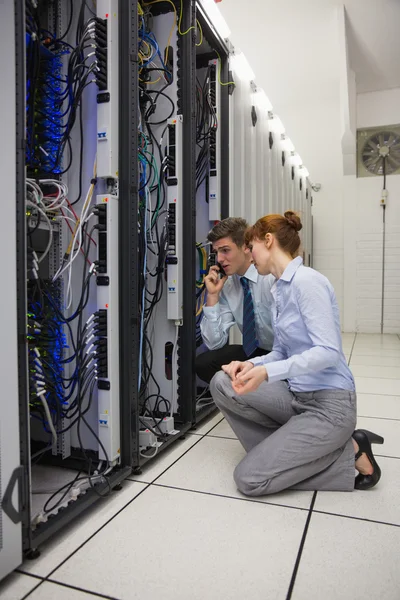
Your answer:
<point x="249" y="381"/>
<point x="214" y="285"/>
<point x="236" y="368"/>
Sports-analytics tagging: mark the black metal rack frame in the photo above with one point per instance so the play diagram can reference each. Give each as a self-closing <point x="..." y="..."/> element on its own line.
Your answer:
<point x="128" y="273"/>
<point x="128" y="244"/>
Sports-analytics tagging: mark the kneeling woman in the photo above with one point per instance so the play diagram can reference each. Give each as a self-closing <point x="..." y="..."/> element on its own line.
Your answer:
<point x="294" y="410"/>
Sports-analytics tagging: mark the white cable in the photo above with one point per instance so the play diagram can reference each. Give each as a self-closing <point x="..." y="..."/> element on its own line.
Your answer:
<point x="47" y="250"/>
<point x="47" y="411"/>
<point x="149" y="455"/>
<point x="73" y="253"/>
<point x="69" y="266"/>
<point x="61" y="217"/>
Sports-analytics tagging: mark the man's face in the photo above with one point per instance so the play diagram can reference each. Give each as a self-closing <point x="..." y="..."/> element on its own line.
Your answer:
<point x="232" y="258"/>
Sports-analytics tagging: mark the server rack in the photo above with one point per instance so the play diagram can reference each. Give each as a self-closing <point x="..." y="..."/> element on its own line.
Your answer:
<point x="16" y="484"/>
<point x="189" y="58"/>
<point x="230" y="202"/>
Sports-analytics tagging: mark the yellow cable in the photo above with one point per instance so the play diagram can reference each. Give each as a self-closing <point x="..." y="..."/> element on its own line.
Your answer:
<point x="173" y="25"/>
<point x="149" y="49"/>
<point x="180" y="21"/>
<point x="200" y="308"/>
<point x="201" y="34"/>
<point x="190" y="28"/>
<point x="219" y="72"/>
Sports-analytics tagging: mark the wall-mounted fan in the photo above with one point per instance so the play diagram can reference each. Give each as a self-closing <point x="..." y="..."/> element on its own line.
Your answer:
<point x="375" y="146"/>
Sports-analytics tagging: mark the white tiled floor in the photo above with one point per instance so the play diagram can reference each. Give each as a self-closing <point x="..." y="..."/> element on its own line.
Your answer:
<point x="181" y="530"/>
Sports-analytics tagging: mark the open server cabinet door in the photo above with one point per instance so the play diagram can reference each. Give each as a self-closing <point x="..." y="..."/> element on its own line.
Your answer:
<point x="212" y="88"/>
<point x="11" y="115"/>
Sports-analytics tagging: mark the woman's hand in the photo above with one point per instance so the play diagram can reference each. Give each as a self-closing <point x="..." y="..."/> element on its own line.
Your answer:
<point x="236" y="368"/>
<point x="249" y="381"/>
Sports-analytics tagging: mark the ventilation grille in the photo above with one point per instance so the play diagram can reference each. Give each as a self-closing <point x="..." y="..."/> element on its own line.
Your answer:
<point x="378" y="147"/>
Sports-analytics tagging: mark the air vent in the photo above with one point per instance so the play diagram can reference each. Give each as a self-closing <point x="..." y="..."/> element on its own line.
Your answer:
<point x="378" y="148"/>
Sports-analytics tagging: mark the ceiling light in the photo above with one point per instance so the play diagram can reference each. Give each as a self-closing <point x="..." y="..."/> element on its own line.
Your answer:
<point x="286" y="143"/>
<point x="295" y="159"/>
<point x="261" y="100"/>
<point x="303" y="171"/>
<point x="275" y="124"/>
<point x="241" y="67"/>
<point x="216" y="18"/>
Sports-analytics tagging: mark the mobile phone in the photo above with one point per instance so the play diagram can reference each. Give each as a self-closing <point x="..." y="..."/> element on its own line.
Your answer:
<point x="212" y="261"/>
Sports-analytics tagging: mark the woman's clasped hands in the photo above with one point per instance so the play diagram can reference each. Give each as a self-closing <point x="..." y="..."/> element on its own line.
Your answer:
<point x="245" y="376"/>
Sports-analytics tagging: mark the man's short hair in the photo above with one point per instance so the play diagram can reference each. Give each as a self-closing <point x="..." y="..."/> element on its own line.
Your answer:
<point x="233" y="227"/>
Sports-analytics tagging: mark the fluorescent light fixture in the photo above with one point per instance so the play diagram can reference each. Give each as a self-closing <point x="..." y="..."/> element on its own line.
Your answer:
<point x="287" y="143"/>
<point x="295" y="159"/>
<point x="241" y="67"/>
<point x="216" y="18"/>
<point x="261" y="100"/>
<point x="303" y="171"/>
<point x="275" y="124"/>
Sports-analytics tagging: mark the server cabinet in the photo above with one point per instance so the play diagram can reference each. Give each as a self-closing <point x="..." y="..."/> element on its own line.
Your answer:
<point x="11" y="118"/>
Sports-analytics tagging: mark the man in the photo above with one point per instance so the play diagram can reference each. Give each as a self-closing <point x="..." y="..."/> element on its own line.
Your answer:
<point x="242" y="297"/>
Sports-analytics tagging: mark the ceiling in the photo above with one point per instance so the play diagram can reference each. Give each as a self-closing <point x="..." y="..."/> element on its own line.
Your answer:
<point x="293" y="37"/>
<point x="373" y="30"/>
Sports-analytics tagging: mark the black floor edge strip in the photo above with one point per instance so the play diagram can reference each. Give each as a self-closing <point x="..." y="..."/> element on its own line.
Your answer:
<point x="79" y="589"/>
<point x="332" y="514"/>
<point x="21" y="572"/>
<point x="300" y="552"/>
<point x="214" y="494"/>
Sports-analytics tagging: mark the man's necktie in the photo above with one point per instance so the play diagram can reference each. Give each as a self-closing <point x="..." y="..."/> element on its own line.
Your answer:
<point x="250" y="342"/>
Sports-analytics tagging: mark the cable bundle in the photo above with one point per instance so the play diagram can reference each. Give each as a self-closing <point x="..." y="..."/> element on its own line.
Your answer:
<point x="206" y="127"/>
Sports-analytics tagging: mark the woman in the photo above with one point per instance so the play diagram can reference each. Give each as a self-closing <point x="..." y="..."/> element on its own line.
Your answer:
<point x="294" y="410"/>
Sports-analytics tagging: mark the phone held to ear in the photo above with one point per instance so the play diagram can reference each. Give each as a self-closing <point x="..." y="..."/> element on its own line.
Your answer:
<point x="212" y="261"/>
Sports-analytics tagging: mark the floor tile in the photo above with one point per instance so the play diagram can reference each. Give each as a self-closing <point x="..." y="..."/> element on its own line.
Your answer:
<point x="223" y="429"/>
<point x="52" y="591"/>
<point x="205" y="426"/>
<point x="209" y="468"/>
<point x="345" y="559"/>
<point x="347" y="347"/>
<point x="375" y="361"/>
<point x="390" y="430"/>
<point x="379" y="504"/>
<point x="376" y="336"/>
<point x="172" y="544"/>
<point x="383" y="341"/>
<point x="373" y="351"/>
<point x="70" y="538"/>
<point x="156" y="466"/>
<point x="375" y="405"/>
<point x="370" y="385"/>
<point x="378" y="372"/>
<point x="16" y="585"/>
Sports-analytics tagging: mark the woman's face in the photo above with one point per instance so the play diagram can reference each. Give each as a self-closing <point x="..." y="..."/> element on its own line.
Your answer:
<point x="260" y="255"/>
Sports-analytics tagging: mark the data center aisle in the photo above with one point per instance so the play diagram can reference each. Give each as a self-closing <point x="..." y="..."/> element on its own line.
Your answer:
<point x="181" y="530"/>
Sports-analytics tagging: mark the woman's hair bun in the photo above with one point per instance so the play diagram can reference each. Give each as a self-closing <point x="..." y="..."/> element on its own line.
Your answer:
<point x="293" y="220"/>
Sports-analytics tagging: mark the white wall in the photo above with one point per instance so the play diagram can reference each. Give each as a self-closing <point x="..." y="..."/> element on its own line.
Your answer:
<point x="300" y="57"/>
<point x="295" y="60"/>
<point x="375" y="109"/>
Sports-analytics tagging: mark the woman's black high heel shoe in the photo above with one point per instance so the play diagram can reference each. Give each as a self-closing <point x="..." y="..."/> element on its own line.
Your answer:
<point x="364" y="440"/>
